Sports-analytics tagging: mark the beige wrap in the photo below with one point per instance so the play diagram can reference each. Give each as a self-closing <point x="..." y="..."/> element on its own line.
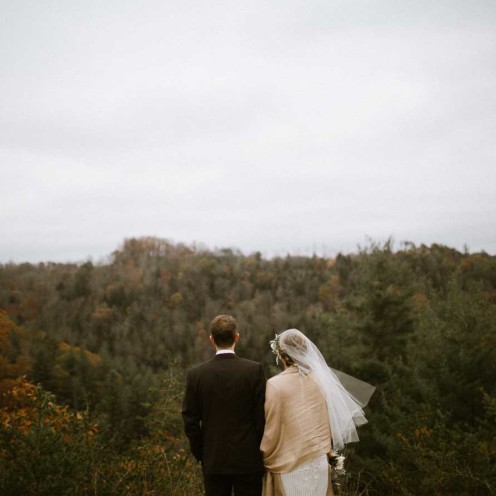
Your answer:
<point x="296" y="427"/>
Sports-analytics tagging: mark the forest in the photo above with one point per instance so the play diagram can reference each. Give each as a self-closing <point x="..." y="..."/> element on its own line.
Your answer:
<point x="93" y="359"/>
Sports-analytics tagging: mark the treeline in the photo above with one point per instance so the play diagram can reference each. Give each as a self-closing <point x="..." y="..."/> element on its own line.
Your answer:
<point x="92" y="359"/>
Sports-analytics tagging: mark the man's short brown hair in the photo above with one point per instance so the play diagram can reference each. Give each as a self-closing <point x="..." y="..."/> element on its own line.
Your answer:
<point x="223" y="330"/>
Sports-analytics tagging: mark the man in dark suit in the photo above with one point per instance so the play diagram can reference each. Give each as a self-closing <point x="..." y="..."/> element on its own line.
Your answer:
<point x="223" y="413"/>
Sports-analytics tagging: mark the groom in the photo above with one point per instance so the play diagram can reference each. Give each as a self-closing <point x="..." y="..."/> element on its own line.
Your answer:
<point x="223" y="413"/>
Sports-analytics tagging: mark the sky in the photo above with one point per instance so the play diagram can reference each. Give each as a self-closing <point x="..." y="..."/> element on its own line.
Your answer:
<point x="295" y="126"/>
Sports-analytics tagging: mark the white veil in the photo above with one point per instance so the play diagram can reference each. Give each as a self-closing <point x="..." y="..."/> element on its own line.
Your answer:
<point x="345" y="396"/>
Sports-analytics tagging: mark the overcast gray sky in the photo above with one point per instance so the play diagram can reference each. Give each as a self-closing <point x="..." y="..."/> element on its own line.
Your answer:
<point x="279" y="126"/>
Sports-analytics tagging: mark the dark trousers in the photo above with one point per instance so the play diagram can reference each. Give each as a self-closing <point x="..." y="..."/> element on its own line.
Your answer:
<point x="225" y="484"/>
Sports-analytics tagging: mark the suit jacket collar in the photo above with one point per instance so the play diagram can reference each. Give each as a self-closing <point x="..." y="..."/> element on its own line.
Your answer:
<point x="225" y="356"/>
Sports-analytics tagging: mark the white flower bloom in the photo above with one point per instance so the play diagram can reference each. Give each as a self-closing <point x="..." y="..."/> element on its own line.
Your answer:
<point x="340" y="462"/>
<point x="337" y="463"/>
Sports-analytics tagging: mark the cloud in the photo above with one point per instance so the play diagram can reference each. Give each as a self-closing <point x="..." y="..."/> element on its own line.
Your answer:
<point x="261" y="125"/>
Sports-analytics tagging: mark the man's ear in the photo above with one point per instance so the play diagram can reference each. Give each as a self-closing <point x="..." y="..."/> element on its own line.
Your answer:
<point x="212" y="341"/>
<point x="236" y="338"/>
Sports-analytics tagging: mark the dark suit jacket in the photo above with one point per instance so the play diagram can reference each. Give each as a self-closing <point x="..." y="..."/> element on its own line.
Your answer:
<point x="223" y="413"/>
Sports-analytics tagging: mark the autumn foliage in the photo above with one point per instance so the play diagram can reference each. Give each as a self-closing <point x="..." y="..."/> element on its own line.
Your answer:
<point x="92" y="362"/>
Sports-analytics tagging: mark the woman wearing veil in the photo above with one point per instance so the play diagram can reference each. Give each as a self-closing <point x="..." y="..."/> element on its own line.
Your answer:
<point x="310" y="410"/>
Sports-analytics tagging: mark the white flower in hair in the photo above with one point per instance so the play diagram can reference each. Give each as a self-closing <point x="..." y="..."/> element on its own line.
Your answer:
<point x="274" y="346"/>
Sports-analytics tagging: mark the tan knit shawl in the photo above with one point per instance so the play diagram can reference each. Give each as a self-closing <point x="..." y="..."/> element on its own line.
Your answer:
<point x="296" y="429"/>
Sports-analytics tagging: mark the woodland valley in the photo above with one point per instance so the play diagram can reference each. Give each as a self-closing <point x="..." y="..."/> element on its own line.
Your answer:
<point x="93" y="359"/>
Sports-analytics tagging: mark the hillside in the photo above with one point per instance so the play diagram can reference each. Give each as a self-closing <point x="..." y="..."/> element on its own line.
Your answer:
<point x="92" y="360"/>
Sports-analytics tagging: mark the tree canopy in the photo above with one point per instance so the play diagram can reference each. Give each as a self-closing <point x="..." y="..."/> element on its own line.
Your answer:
<point x="103" y="347"/>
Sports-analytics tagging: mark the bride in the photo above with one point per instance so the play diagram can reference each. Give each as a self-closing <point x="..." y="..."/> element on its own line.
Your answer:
<point x="308" y="412"/>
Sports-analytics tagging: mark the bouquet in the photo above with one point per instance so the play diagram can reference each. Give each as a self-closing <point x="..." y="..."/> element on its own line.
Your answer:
<point x="336" y="461"/>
